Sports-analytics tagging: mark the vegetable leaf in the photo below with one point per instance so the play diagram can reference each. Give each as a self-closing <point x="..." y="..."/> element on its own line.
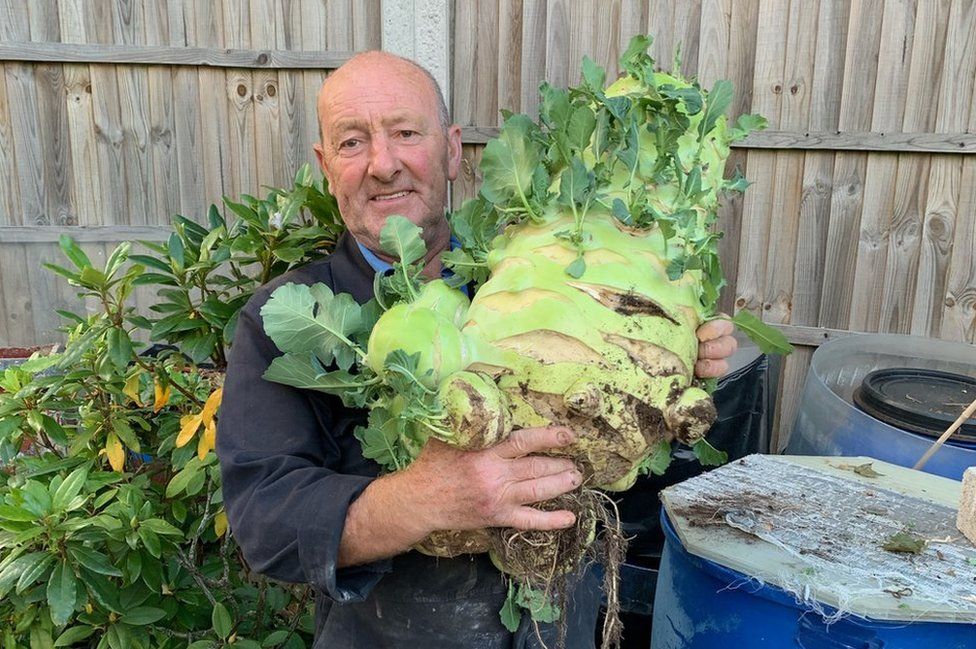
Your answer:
<point x="300" y="319"/>
<point x="769" y="340"/>
<point x="510" y="614"/>
<point x="508" y="162"/>
<point x="401" y="239"/>
<point x="708" y="455"/>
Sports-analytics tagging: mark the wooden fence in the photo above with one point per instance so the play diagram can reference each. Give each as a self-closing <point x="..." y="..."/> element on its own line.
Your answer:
<point x="862" y="215"/>
<point x="117" y="114"/>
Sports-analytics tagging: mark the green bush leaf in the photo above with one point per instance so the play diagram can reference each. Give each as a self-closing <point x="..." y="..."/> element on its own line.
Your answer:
<point x="143" y="615"/>
<point x="221" y="620"/>
<point x="61" y="592"/>
<point x="93" y="560"/>
<point x="119" y="347"/>
<point x="275" y="638"/>
<point x="68" y="489"/>
<point x="73" y="252"/>
<point x="73" y="635"/>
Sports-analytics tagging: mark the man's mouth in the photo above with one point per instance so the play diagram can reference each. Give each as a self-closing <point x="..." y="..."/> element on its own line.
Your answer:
<point x="390" y="197"/>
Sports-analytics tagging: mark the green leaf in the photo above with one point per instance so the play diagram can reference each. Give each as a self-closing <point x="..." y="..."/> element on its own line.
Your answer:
<point x="68" y="489"/>
<point x="36" y="571"/>
<point x="274" y="638"/>
<point x="508" y="162"/>
<point x="180" y="481"/>
<point x="401" y="239"/>
<point x="576" y="268"/>
<point x="303" y="319"/>
<point x="746" y="124"/>
<point x="69" y="275"/>
<point x="119" y="347"/>
<point x="221" y="620"/>
<point x="538" y="603"/>
<point x="708" y="455"/>
<point x="73" y="252"/>
<point x="659" y="459"/>
<point x="580" y="127"/>
<point x="117" y="258"/>
<point x="298" y="370"/>
<point x="510" y="614"/>
<point x="73" y="635"/>
<point x="768" y="339"/>
<point x="61" y="591"/>
<point x="151" y="540"/>
<point x="40" y="637"/>
<point x="177" y="253"/>
<point x="159" y="526"/>
<point x="593" y="75"/>
<point x="718" y="101"/>
<point x="93" y="560"/>
<point x="143" y="615"/>
<point x="18" y="514"/>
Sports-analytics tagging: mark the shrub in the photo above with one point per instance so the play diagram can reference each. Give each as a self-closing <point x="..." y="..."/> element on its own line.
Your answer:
<point x="112" y="529"/>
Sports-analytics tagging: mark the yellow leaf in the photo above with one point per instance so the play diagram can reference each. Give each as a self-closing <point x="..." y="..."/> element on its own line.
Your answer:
<point x="115" y="452"/>
<point x="220" y="524"/>
<point x="131" y="388"/>
<point x="209" y="408"/>
<point x="188" y="428"/>
<point x="207" y="440"/>
<point x="162" y="396"/>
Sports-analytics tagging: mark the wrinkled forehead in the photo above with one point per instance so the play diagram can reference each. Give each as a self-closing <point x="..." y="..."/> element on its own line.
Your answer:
<point x="373" y="81"/>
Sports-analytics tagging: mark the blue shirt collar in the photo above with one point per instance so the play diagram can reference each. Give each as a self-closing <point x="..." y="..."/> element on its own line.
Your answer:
<point x="381" y="267"/>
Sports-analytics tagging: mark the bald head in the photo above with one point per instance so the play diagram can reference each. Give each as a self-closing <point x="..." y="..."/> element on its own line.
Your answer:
<point x="364" y="63"/>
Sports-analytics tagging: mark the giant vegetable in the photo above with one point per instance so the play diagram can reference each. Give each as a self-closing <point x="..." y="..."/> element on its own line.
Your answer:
<point x="592" y="248"/>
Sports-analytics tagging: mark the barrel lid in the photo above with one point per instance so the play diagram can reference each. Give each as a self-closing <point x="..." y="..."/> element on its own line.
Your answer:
<point x="833" y="531"/>
<point x="918" y="400"/>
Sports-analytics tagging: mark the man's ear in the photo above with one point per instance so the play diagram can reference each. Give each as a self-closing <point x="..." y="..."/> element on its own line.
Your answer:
<point x="453" y="152"/>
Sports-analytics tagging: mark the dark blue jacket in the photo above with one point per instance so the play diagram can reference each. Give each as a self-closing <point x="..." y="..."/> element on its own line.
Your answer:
<point x="291" y="466"/>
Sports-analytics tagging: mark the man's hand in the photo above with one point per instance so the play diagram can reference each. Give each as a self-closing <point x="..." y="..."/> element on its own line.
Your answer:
<point x="495" y="486"/>
<point x="446" y="488"/>
<point x="715" y="346"/>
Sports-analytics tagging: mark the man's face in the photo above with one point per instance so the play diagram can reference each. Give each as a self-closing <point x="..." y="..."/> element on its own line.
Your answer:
<point x="383" y="149"/>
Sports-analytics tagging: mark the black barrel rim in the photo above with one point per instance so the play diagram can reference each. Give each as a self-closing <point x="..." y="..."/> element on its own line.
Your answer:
<point x="919" y="400"/>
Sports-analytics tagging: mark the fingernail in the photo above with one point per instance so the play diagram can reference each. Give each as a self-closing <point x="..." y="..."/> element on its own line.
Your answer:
<point x="566" y="436"/>
<point x="577" y="478"/>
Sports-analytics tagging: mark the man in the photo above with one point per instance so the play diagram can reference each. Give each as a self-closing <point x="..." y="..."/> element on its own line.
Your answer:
<point x="304" y="504"/>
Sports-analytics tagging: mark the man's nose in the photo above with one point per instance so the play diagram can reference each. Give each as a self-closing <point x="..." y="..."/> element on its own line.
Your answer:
<point x="384" y="164"/>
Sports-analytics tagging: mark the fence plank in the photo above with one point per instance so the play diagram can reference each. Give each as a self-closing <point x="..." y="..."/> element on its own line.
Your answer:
<point x="17" y="303"/>
<point x="757" y="207"/>
<point x="911" y="184"/>
<point x="788" y="172"/>
<point x="941" y="208"/>
<point x="10" y="209"/>
<point x="857" y="100"/>
<point x="889" y="107"/>
<point x="168" y="55"/>
<point x="163" y="156"/>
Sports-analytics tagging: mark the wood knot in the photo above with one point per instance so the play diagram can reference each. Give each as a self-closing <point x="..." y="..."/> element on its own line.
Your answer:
<point x="794" y="89"/>
<point x="741" y="302"/>
<point x="950" y="301"/>
<point x="271" y="91"/>
<point x="88" y="88"/>
<point x="262" y="58"/>
<point x="777" y="89"/>
<point x="241" y="90"/>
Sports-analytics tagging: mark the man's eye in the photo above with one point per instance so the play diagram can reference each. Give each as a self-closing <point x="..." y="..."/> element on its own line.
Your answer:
<point x="407" y="134"/>
<point x="351" y="143"/>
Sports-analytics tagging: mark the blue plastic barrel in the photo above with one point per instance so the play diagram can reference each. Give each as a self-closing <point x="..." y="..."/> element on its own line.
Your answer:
<point x="700" y="604"/>
<point x="828" y="422"/>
